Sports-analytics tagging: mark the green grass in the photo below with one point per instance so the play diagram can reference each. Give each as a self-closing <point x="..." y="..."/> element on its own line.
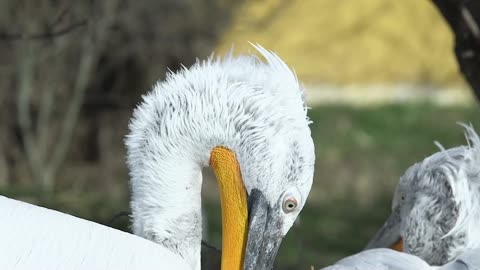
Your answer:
<point x="361" y="153"/>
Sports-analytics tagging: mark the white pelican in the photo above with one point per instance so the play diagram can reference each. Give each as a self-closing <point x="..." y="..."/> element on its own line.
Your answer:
<point x="435" y="208"/>
<point x="248" y="120"/>
<point x="243" y="117"/>
<point x="388" y="259"/>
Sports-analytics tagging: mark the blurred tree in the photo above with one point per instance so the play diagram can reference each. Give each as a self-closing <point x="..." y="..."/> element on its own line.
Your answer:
<point x="77" y="68"/>
<point x="45" y="125"/>
<point x="463" y="17"/>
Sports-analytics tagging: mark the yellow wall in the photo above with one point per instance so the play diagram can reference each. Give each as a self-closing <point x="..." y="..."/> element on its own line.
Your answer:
<point x="350" y="41"/>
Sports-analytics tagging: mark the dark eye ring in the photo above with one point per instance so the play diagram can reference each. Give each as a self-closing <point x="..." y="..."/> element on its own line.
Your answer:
<point x="289" y="205"/>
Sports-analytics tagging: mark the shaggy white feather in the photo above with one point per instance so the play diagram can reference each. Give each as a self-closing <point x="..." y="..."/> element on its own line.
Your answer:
<point x="35" y="238"/>
<point x="254" y="108"/>
<point x="463" y="177"/>
<point x="438" y="200"/>
<point x="466" y="192"/>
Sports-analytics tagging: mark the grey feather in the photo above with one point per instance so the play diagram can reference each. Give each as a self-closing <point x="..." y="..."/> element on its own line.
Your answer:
<point x="436" y="201"/>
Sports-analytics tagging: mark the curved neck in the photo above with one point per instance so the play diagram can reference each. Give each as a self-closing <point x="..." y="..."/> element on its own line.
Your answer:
<point x="166" y="206"/>
<point x="169" y="212"/>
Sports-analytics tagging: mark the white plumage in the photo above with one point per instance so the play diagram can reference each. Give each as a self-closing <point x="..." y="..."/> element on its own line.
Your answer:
<point x="380" y="259"/>
<point x="387" y="259"/>
<point x="33" y="237"/>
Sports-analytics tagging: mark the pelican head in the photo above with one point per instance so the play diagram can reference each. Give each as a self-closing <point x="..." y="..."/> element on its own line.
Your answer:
<point x="244" y="117"/>
<point x="435" y="206"/>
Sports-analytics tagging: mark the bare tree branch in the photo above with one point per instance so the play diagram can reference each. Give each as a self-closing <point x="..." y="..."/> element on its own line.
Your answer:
<point x="63" y="12"/>
<point x="39" y="36"/>
<point x="4" y="168"/>
<point x="91" y="50"/>
<point x="26" y="68"/>
<point x="45" y="158"/>
<point x="43" y="131"/>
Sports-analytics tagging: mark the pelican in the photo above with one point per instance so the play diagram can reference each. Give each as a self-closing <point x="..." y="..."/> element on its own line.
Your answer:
<point x="246" y="119"/>
<point x="435" y="209"/>
<point x="388" y="259"/>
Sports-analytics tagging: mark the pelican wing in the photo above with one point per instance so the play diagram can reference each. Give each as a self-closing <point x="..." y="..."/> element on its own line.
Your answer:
<point x="381" y="259"/>
<point x="33" y="237"/>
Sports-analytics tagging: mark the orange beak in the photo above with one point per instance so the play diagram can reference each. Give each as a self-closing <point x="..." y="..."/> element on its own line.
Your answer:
<point x="233" y="201"/>
<point x="398" y="246"/>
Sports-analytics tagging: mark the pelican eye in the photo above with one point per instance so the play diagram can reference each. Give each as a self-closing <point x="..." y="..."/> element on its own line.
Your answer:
<point x="402" y="199"/>
<point x="289" y="205"/>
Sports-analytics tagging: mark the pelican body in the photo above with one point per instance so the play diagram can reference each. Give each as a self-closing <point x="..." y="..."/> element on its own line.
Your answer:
<point x="435" y="208"/>
<point x="33" y="237"/>
<point x="388" y="259"/>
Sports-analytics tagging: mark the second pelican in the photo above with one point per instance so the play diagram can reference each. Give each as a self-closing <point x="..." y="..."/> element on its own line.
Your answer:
<point x="435" y="206"/>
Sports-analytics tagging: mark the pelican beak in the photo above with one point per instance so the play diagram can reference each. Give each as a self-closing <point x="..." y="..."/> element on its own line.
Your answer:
<point x="398" y="246"/>
<point x="233" y="201"/>
<point x="389" y="235"/>
<point x="264" y="235"/>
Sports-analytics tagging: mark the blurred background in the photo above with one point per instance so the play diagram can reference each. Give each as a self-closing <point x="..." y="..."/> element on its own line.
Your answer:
<point x="381" y="79"/>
